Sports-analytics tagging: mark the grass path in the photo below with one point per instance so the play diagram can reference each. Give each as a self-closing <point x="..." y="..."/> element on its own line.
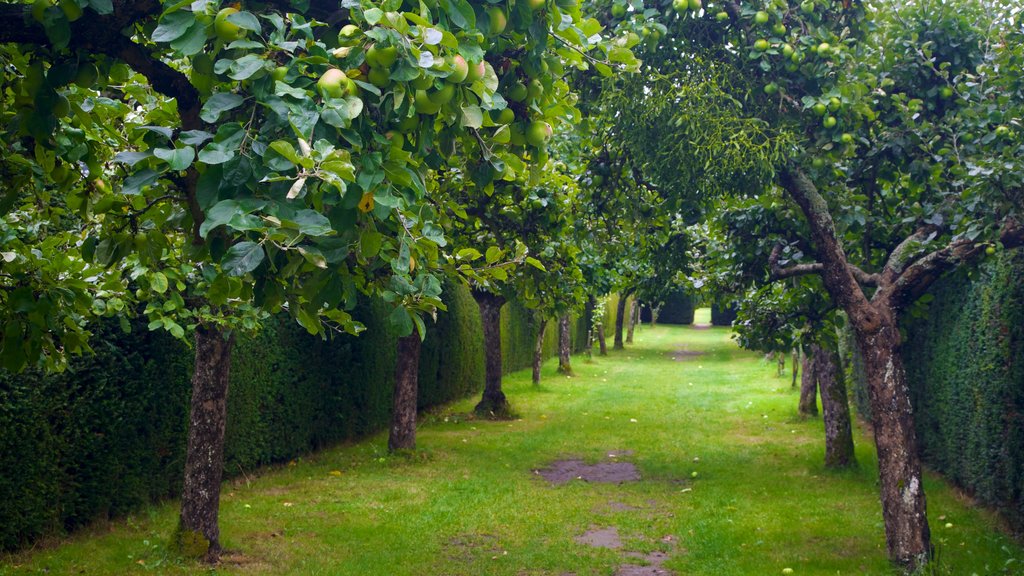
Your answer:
<point x="469" y="503"/>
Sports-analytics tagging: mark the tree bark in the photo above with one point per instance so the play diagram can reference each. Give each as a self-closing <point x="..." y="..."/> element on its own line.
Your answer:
<point x="835" y="409"/>
<point x="493" y="402"/>
<point x="601" y="343"/>
<point x="564" y="346"/>
<point x="198" y="530"/>
<point x="796" y="366"/>
<point x="655" y="310"/>
<point x="808" y="386"/>
<point x="620" y="313"/>
<point x="589" y="312"/>
<point x="538" y="346"/>
<point x="634" y="311"/>
<point x="899" y="464"/>
<point x="403" y="413"/>
<point x="780" y="364"/>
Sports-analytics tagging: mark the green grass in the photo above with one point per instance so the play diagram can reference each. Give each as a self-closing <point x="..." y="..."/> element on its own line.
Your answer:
<point x="468" y="502"/>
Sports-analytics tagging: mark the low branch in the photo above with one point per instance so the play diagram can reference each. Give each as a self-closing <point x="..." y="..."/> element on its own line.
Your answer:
<point x="780" y="273"/>
<point x="905" y="253"/>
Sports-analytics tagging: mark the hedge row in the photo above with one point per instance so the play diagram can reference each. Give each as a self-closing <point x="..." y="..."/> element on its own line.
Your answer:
<point x="965" y="366"/>
<point x="109" y="434"/>
<point x="723" y="315"/>
<point x="678" y="309"/>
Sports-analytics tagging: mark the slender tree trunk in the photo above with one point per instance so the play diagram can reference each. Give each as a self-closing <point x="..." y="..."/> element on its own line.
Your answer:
<point x="493" y="401"/>
<point x="564" y="346"/>
<point x="403" y="414"/>
<point x="198" y="531"/>
<point x="808" y="386"/>
<point x="655" y="310"/>
<point x="899" y="463"/>
<point x="796" y="366"/>
<point x="601" y="343"/>
<point x="589" y="311"/>
<point x="634" y="310"/>
<point x="620" y="313"/>
<point x="538" y="346"/>
<point x="780" y="364"/>
<point x="835" y="409"/>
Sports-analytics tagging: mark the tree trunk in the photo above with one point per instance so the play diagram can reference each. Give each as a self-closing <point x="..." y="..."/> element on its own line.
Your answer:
<point x="538" y="346"/>
<point x="907" y="535"/>
<point x="835" y="409"/>
<point x="780" y="364"/>
<point x="403" y="414"/>
<point x="493" y="402"/>
<point x="564" y="346"/>
<point x="198" y="531"/>
<point x="808" y="386"/>
<point x="589" y="312"/>
<point x="601" y="343"/>
<point x="634" y="311"/>
<point x="655" y="310"/>
<point x="899" y="464"/>
<point x="620" y="313"/>
<point x="796" y="366"/>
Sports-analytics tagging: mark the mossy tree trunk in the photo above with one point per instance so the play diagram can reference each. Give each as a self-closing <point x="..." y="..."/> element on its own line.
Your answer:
<point x="796" y="366"/>
<point x="835" y="409"/>
<point x="808" y="386"/>
<point x="620" y="313"/>
<point x="564" y="345"/>
<point x="493" y="402"/>
<point x="402" y="434"/>
<point x="198" y="529"/>
<point x="602" y="344"/>
<point x="538" y="345"/>
<point x="634" y="311"/>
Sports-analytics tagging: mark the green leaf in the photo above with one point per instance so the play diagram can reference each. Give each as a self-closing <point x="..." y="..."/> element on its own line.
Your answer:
<point x="242" y="258"/>
<point x="312" y="223"/>
<point x="493" y="254"/>
<point x="177" y="158"/>
<point x="370" y="243"/>
<point x="218" y="104"/>
<point x="246" y="66"/>
<point x="535" y="263"/>
<point x="158" y="282"/>
<point x="102" y="7"/>
<point x="285" y="149"/>
<point x="173" y="26"/>
<point x="401" y="321"/>
<point x="245" y="20"/>
<point x="472" y="117"/>
<point x="468" y="254"/>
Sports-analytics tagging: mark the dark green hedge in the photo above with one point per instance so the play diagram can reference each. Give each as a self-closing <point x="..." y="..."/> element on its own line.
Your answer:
<point x="965" y="365"/>
<point x="678" y="309"/>
<point x="723" y="315"/>
<point x="109" y="434"/>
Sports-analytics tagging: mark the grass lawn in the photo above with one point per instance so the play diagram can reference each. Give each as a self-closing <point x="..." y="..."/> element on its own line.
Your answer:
<point x="469" y="502"/>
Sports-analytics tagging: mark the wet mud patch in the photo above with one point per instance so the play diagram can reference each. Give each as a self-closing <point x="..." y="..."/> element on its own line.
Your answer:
<point x="601" y="538"/>
<point x="564" y="471"/>
<point x="684" y="355"/>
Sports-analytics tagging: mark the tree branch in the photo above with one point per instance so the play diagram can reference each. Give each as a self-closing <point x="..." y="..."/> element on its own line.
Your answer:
<point x="919" y="276"/>
<point x="779" y="273"/>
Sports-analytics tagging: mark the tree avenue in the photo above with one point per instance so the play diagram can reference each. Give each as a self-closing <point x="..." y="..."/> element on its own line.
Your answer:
<point x="892" y="131"/>
<point x="220" y="162"/>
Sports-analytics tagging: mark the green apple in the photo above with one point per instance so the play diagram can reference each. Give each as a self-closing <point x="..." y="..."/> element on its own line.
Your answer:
<point x="86" y="75"/>
<point x="846" y="138"/>
<point x="226" y="30"/>
<point x="824" y="50"/>
<point x="379" y="77"/>
<point x="476" y="71"/>
<point x="834" y="104"/>
<point x="788" y="51"/>
<point x="61" y="106"/>
<point x="779" y="29"/>
<point x="761" y="17"/>
<point x="807" y="7"/>
<point x="820" y="109"/>
<point x="349" y="34"/>
<point x="990" y="250"/>
<point x="818" y="163"/>
<point x="538" y="132"/>
<point x="444" y="95"/>
<point x="381" y="57"/>
<point x="503" y="116"/>
<point x="460" y="69"/>
<point x="771" y="88"/>
<point x="829" y="122"/>
<point x="946" y="92"/>
<point x="618" y="10"/>
<point x="535" y="4"/>
<point x="695" y="5"/>
<point x="722" y="16"/>
<point x="497" y="21"/>
<point x="423" y="82"/>
<point x="335" y="84"/>
<point x="517" y="92"/>
<point x="534" y="90"/>
<point x="761" y="45"/>
<point x="424" y="105"/>
<point x="1002" y="131"/>
<point x="681" y="5"/>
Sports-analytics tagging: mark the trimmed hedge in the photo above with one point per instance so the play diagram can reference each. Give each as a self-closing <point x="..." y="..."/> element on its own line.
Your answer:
<point x="965" y="367"/>
<point x="723" y="316"/>
<point x="678" y="309"/>
<point x="109" y="435"/>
